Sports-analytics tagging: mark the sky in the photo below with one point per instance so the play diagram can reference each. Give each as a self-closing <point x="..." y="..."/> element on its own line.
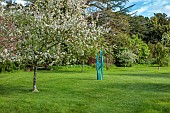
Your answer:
<point x="20" y="1"/>
<point x="146" y="8"/>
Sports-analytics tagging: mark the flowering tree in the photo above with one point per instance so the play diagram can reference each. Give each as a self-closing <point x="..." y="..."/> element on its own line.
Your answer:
<point x="8" y="37"/>
<point x="45" y="25"/>
<point x="86" y="44"/>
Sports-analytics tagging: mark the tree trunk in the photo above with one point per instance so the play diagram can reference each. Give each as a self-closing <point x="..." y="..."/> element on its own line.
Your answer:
<point x="82" y="66"/>
<point x="107" y="63"/>
<point x="34" y="80"/>
<point x="158" y="67"/>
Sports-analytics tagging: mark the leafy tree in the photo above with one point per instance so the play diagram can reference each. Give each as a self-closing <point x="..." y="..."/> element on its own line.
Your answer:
<point x="115" y="43"/>
<point x="162" y="50"/>
<point x="161" y="55"/>
<point x="110" y="14"/>
<point x="161" y="18"/>
<point x="140" y="48"/>
<point x="158" y="25"/>
<point x="149" y="29"/>
<point x="166" y="39"/>
<point x="117" y="33"/>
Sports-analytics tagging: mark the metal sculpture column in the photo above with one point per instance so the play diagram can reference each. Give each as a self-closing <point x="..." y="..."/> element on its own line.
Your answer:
<point x="99" y="65"/>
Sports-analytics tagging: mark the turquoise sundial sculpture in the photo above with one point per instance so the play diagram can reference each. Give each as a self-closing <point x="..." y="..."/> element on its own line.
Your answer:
<point x="99" y="65"/>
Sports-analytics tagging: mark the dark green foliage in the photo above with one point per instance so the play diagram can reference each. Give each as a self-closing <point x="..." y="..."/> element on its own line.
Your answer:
<point x="150" y="29"/>
<point x="138" y="25"/>
<point x="7" y="66"/>
<point x="157" y="26"/>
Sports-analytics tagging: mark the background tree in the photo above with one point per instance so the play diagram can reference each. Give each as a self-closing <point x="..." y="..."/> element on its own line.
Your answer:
<point x="161" y="55"/>
<point x="138" y="26"/>
<point x="157" y="26"/>
<point x="114" y="5"/>
<point x="166" y="39"/>
<point x="112" y="15"/>
<point x="140" y="48"/>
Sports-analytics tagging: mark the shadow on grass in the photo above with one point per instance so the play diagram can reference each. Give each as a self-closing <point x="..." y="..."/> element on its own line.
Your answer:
<point x="8" y="90"/>
<point x="60" y="71"/>
<point x="159" y="75"/>
<point x="142" y="87"/>
<point x="90" y="79"/>
<point x="68" y="70"/>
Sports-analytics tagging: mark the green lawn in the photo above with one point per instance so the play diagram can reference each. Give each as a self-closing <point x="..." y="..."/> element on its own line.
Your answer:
<point x="138" y="89"/>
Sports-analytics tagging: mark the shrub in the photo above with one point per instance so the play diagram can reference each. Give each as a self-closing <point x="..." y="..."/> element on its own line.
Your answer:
<point x="7" y="66"/>
<point x="125" y="58"/>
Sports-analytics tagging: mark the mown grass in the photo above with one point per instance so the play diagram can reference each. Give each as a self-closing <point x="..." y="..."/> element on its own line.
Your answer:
<point x="138" y="89"/>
